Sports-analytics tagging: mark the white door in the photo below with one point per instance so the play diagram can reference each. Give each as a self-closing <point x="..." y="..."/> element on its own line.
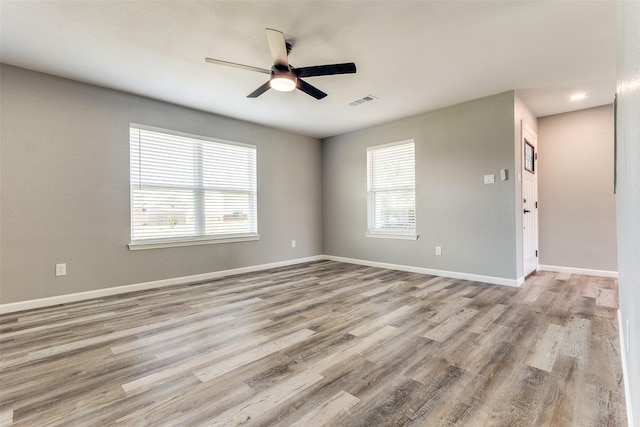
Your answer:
<point x="529" y="200"/>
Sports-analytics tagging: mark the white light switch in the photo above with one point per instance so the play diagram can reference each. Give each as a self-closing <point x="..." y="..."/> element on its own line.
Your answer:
<point x="489" y="179"/>
<point x="61" y="269"/>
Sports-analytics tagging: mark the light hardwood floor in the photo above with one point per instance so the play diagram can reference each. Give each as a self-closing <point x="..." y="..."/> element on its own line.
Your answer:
<point x="321" y="344"/>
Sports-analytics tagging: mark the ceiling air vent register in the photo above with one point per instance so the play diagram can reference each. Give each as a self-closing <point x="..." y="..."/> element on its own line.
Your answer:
<point x="362" y="100"/>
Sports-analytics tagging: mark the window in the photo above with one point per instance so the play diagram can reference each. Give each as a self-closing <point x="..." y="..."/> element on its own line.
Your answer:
<point x="188" y="189"/>
<point x="391" y="207"/>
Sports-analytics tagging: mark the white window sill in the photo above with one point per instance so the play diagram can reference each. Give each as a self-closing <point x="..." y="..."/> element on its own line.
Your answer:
<point x="159" y="244"/>
<point x="393" y="236"/>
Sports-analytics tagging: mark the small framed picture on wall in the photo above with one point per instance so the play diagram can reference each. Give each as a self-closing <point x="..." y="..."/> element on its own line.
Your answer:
<point x="529" y="157"/>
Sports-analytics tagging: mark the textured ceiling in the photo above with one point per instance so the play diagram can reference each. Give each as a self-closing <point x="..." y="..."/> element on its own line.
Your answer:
<point x="414" y="56"/>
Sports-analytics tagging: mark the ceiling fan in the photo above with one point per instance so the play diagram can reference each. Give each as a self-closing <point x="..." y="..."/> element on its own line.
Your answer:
<point x="285" y="77"/>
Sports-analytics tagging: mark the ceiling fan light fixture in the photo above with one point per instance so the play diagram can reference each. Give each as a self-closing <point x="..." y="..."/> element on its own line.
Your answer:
<point x="283" y="82"/>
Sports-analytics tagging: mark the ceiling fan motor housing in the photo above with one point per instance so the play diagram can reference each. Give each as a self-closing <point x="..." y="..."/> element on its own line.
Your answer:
<point x="278" y="69"/>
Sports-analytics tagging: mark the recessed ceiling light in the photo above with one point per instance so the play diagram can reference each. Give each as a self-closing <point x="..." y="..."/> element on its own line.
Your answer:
<point x="578" y="96"/>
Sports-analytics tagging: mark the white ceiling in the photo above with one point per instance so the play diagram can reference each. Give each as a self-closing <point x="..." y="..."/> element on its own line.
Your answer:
<point x="415" y="56"/>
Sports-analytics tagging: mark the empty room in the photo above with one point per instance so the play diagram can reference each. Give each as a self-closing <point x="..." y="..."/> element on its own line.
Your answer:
<point x="319" y="213"/>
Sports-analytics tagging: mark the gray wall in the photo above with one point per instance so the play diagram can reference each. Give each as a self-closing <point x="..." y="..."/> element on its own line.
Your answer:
<point x="628" y="191"/>
<point x="65" y="189"/>
<point x="577" y="209"/>
<point x="473" y="222"/>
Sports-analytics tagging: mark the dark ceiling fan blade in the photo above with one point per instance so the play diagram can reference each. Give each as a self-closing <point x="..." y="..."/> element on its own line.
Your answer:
<point x="233" y="64"/>
<point x="278" y="47"/>
<point x="310" y="90"/>
<point x="262" y="89"/>
<point x="326" y="70"/>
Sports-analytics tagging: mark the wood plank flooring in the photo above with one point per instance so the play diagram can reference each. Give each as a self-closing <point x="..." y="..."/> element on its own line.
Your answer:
<point x="321" y="344"/>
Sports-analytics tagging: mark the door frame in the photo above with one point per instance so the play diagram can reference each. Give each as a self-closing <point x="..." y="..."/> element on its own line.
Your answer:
<point x="528" y="135"/>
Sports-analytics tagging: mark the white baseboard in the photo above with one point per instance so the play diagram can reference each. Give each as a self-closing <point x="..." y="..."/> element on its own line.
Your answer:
<point x="625" y="372"/>
<point x="100" y="293"/>
<point x="105" y="292"/>
<point x="583" y="271"/>
<point x="430" y="271"/>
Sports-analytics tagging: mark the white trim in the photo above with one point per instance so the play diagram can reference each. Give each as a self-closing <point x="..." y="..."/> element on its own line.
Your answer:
<point x="99" y="293"/>
<point x="105" y="292"/>
<point x="583" y="271"/>
<point x="625" y="370"/>
<point x="158" y="244"/>
<point x="422" y="270"/>
<point x="392" y="236"/>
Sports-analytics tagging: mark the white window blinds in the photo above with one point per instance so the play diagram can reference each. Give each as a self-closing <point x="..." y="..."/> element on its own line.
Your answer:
<point x="391" y="189"/>
<point x="185" y="187"/>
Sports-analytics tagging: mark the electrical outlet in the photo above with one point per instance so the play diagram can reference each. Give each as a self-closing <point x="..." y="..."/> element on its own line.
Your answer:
<point x="293" y="243"/>
<point x="438" y="250"/>
<point x="61" y="269"/>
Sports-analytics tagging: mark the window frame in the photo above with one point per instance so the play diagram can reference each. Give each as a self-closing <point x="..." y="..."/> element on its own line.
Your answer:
<point x="379" y="232"/>
<point x="198" y="199"/>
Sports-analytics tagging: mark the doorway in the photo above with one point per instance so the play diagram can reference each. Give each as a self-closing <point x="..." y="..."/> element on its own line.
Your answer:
<point x="529" y="200"/>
